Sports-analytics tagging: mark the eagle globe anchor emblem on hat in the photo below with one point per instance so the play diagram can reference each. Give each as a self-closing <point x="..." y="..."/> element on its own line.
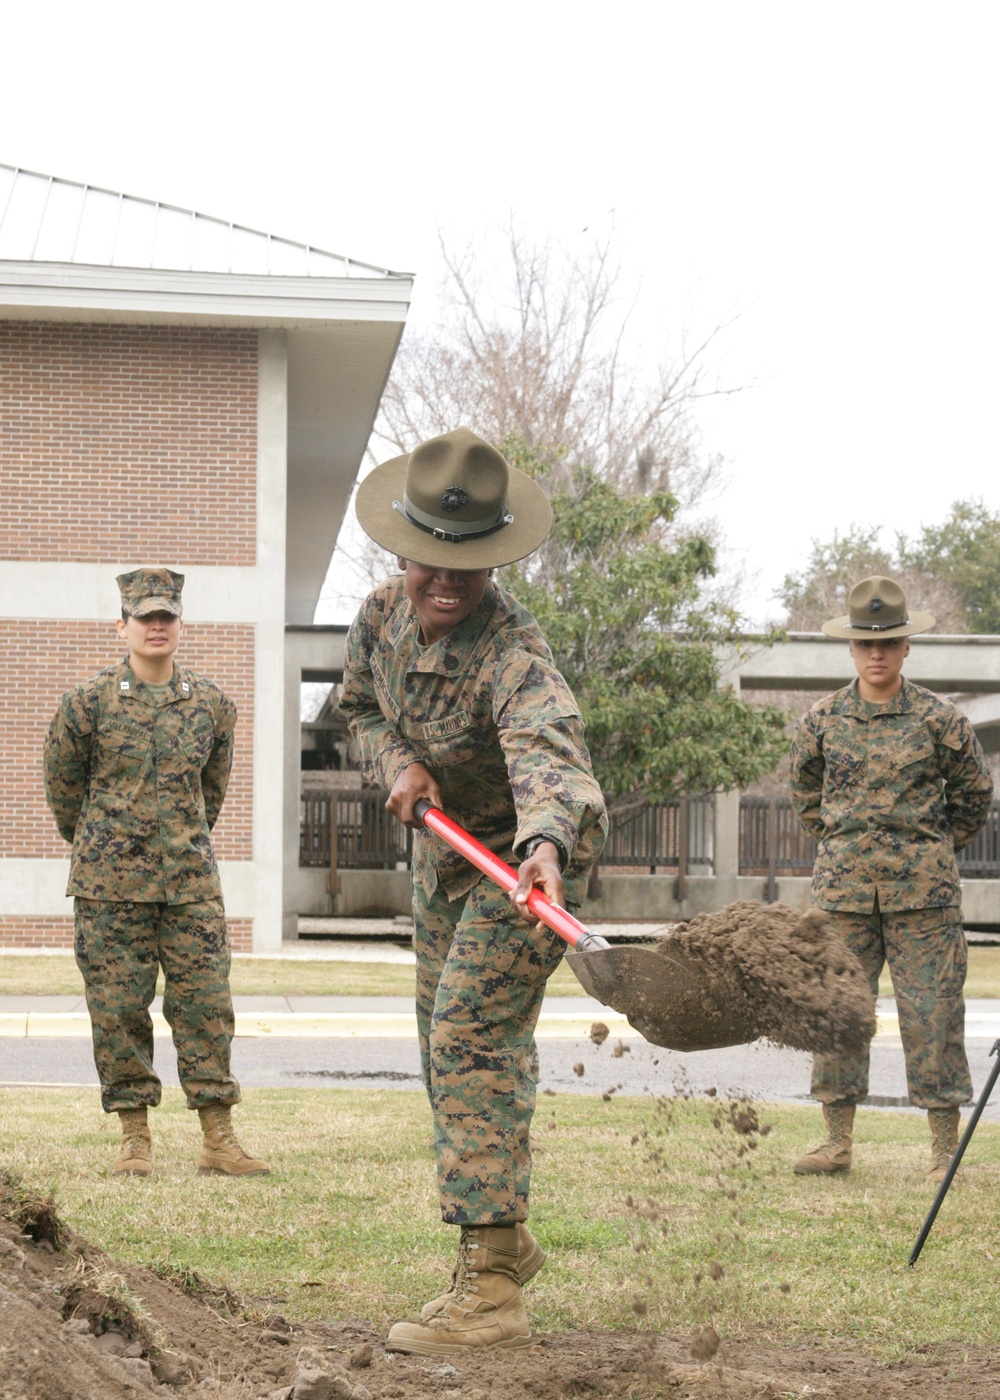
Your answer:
<point x="454" y="502"/>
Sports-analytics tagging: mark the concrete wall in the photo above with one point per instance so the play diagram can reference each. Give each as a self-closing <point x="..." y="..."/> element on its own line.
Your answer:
<point x="378" y="893"/>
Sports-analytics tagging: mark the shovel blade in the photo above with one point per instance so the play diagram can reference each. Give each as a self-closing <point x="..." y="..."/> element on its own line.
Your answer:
<point x="666" y="996"/>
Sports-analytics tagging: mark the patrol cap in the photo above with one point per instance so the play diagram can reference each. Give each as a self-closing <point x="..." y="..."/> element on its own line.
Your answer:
<point x="151" y="590"/>
<point x="877" y="611"/>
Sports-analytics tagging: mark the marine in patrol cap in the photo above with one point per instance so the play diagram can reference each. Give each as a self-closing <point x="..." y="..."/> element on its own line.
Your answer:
<point x="878" y="612"/>
<point x="151" y="590"/>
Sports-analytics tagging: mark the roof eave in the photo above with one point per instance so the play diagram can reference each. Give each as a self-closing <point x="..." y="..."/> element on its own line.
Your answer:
<point x="61" y="291"/>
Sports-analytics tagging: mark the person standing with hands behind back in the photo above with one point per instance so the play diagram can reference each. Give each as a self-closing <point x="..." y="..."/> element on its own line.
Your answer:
<point x="891" y="781"/>
<point x="452" y="693"/>
<point x="136" y="766"/>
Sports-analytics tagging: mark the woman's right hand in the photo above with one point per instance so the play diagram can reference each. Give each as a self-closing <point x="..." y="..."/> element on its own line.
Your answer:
<point x="412" y="784"/>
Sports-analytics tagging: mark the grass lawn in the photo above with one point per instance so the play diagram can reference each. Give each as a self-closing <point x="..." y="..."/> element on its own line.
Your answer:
<point x="654" y="1213"/>
<point x="56" y="974"/>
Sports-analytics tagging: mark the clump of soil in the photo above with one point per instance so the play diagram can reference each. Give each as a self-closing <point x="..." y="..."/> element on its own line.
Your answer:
<point x="768" y="971"/>
<point x="178" y="1336"/>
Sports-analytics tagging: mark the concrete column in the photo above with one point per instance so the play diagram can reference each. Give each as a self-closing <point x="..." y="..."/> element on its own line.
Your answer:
<point x="726" y="863"/>
<point x="726" y="866"/>
<point x="291" y="749"/>
<point x="269" y="776"/>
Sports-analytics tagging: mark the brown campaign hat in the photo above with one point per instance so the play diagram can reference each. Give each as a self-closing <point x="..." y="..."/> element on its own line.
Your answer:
<point x="454" y="502"/>
<point x="151" y="590"/>
<point x="877" y="610"/>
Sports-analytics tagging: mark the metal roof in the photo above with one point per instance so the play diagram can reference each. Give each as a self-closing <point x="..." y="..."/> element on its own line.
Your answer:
<point x="44" y="219"/>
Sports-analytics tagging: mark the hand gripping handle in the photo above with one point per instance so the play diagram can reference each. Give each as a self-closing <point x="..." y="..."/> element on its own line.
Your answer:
<point x="556" y="918"/>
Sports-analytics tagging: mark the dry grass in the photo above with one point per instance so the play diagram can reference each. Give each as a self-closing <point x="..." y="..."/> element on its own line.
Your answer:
<point x="651" y="1213"/>
<point x="56" y="974"/>
<point x="26" y="974"/>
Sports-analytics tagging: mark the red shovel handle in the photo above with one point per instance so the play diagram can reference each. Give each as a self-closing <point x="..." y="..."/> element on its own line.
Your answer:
<point x="577" y="935"/>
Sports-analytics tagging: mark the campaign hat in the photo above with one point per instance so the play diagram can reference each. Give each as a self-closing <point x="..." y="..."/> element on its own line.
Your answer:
<point x="877" y="611"/>
<point x="454" y="502"/>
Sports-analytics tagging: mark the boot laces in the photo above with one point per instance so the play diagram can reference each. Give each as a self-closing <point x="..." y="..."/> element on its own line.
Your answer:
<point x="465" y="1286"/>
<point x="223" y="1124"/>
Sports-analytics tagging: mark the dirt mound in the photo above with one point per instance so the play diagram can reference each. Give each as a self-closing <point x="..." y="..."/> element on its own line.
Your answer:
<point x="76" y="1325"/>
<point x="776" y="973"/>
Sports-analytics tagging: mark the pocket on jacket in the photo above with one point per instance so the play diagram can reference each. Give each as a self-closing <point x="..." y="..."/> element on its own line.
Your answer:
<point x="196" y="744"/>
<point x="916" y="750"/>
<point x="454" y="738"/>
<point x="121" y="752"/>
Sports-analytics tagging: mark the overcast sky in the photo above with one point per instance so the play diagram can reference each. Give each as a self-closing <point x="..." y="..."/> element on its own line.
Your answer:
<point x="831" y="170"/>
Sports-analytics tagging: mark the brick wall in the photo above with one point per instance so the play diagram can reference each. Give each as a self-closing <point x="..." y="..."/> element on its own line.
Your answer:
<point x="30" y="932"/>
<point x="120" y="443"/>
<point x="127" y="442"/>
<point x="43" y="659"/>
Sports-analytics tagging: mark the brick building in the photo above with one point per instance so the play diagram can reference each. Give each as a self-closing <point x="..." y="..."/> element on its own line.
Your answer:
<point x="174" y="389"/>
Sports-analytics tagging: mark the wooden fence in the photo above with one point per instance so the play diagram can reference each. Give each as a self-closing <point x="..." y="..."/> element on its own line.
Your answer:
<point x="668" y="837"/>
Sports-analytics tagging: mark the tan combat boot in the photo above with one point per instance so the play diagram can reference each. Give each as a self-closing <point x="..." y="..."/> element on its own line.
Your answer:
<point x="834" y="1155"/>
<point x="221" y="1153"/>
<point x="482" y="1309"/>
<point x="944" y="1141"/>
<point x="530" y="1258"/>
<point x="136" y="1156"/>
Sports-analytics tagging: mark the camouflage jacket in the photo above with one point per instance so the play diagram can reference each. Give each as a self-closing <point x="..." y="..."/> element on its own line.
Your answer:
<point x="486" y="711"/>
<point x="136" y="780"/>
<point x="890" y="792"/>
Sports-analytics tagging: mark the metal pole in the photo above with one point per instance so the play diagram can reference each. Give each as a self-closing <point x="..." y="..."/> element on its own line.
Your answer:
<point x="959" y="1153"/>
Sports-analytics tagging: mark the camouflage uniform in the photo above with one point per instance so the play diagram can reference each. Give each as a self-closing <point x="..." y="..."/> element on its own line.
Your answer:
<point x="890" y="792"/>
<point x="485" y="710"/>
<point x="135" y="776"/>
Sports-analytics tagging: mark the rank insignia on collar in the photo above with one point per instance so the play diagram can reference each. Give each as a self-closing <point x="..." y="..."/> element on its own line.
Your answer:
<point x="123" y="685"/>
<point x="185" y="687"/>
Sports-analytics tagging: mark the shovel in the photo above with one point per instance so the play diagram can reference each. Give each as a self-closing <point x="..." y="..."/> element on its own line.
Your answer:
<point x="666" y="995"/>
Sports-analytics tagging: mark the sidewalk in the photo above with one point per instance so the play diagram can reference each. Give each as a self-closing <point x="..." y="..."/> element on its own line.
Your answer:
<point x="385" y="940"/>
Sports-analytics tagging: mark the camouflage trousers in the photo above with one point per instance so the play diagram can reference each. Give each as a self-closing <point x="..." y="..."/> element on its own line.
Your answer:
<point x="120" y="946"/>
<point x="928" y="958"/>
<point x="481" y="976"/>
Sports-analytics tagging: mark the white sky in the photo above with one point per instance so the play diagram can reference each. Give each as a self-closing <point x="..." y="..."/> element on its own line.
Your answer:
<point x="830" y="169"/>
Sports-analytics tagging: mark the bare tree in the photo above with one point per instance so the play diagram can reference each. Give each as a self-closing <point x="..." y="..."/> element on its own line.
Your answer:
<point x="532" y="348"/>
<point x="536" y="349"/>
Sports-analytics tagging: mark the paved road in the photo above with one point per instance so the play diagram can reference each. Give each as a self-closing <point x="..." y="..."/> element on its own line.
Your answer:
<point x="352" y="1061"/>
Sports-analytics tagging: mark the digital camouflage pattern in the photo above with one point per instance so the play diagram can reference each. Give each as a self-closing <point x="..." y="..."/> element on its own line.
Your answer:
<point x="486" y="711"/>
<point x="927" y="956"/>
<point x="151" y="590"/>
<point x="135" y="777"/>
<point x="890" y="792"/>
<point x="119" y="948"/>
<point x="481" y="977"/>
